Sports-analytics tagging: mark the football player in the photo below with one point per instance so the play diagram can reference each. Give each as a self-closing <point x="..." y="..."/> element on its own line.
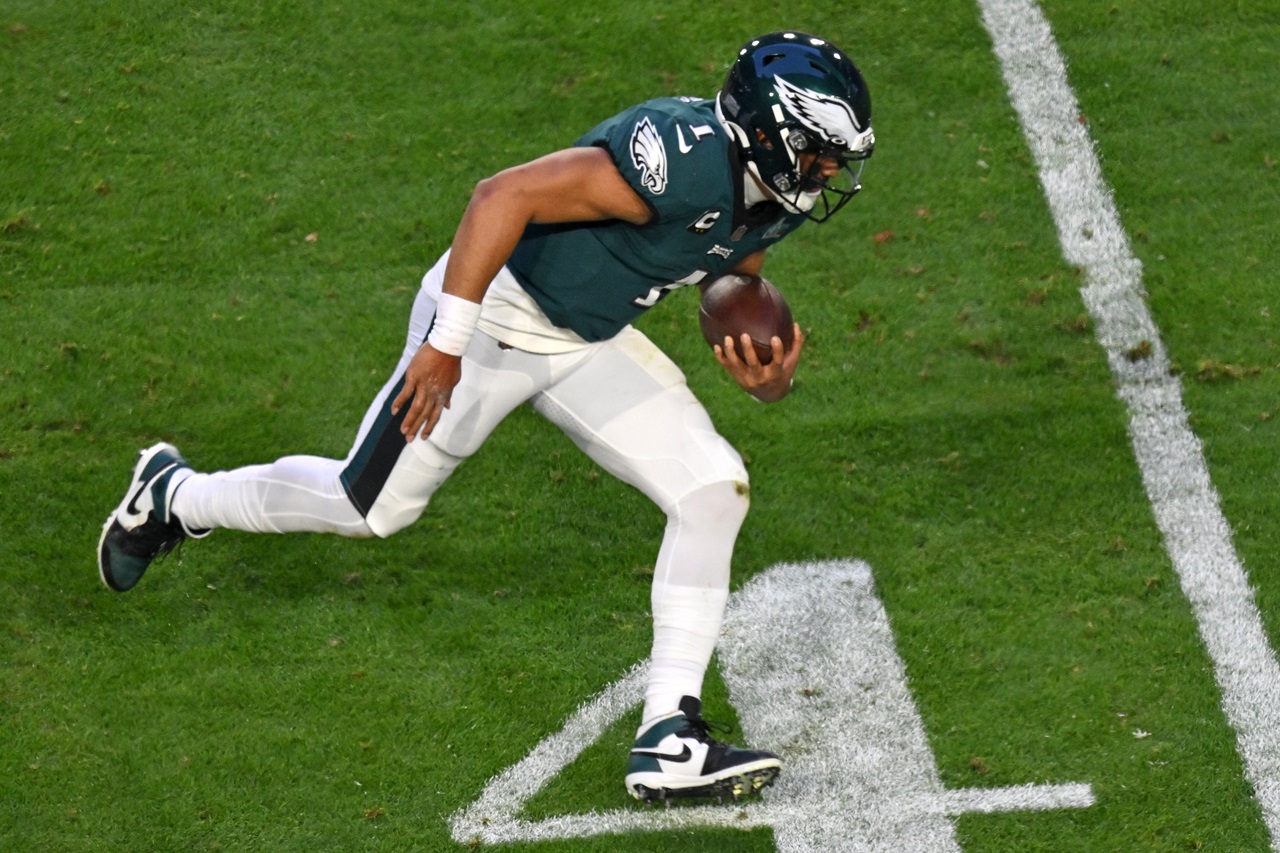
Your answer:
<point x="533" y="303"/>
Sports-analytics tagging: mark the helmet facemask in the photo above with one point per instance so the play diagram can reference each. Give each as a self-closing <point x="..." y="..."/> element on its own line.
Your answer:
<point x="824" y="178"/>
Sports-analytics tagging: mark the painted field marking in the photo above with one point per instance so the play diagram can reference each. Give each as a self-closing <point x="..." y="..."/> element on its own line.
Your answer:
<point x="1187" y="509"/>
<point x="811" y="666"/>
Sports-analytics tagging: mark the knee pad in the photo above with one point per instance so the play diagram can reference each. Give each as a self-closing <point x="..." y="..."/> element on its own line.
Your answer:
<point x="722" y="504"/>
<point x="697" y="547"/>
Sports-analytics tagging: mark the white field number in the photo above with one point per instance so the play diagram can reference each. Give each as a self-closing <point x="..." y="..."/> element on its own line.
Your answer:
<point x="812" y="669"/>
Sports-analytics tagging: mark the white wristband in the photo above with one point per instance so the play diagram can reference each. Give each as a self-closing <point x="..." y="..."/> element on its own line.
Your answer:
<point x="454" y="324"/>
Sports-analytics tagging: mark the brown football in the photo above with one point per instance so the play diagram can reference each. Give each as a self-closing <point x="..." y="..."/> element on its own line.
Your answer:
<point x="733" y="304"/>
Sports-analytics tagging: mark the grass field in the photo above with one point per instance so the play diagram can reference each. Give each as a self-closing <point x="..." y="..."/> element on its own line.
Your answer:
<point x="213" y="218"/>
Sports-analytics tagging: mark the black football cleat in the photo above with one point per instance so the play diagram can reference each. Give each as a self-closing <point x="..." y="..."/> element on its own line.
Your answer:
<point x="141" y="529"/>
<point x="675" y="757"/>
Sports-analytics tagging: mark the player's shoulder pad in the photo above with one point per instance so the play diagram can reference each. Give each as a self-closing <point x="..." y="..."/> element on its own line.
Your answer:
<point x="673" y="151"/>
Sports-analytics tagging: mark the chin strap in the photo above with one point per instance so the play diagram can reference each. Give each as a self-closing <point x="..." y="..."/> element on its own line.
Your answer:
<point x="752" y="191"/>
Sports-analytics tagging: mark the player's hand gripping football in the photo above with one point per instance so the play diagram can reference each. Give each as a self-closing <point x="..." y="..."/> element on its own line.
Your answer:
<point x="766" y="382"/>
<point x="428" y="388"/>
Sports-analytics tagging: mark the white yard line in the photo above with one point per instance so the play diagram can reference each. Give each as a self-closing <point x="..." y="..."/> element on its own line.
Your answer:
<point x="1186" y="505"/>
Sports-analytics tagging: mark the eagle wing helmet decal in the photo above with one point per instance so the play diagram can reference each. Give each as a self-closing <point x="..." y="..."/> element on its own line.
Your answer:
<point x="649" y="155"/>
<point x="829" y="117"/>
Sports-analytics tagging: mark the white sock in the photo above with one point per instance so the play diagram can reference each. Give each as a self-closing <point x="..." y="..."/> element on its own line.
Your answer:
<point x="690" y="591"/>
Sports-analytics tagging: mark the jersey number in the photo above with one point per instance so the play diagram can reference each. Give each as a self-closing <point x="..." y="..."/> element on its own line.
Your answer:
<point x="655" y="294"/>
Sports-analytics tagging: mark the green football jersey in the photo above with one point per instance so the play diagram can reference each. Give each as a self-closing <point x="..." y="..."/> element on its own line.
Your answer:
<point x="596" y="277"/>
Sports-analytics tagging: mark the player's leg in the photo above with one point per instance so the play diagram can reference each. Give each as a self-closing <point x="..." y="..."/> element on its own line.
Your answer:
<point x="383" y="485"/>
<point x="629" y="409"/>
<point x="167" y="501"/>
<point x="391" y="481"/>
<point x="311" y="494"/>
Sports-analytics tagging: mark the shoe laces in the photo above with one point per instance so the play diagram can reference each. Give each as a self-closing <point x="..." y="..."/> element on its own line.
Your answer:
<point x="701" y="729"/>
<point x="156" y="540"/>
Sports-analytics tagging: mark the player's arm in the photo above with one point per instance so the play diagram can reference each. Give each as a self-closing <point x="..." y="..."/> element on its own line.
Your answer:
<point x="766" y="382"/>
<point x="574" y="185"/>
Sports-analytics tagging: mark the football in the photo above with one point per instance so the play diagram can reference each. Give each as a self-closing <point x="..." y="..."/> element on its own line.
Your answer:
<point x="733" y="304"/>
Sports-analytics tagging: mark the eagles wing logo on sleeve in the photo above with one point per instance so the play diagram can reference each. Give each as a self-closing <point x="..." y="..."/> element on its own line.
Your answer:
<point x="649" y="156"/>
<point x="830" y="118"/>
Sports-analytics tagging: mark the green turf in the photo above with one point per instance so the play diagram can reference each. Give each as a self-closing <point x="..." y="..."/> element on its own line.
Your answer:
<point x="164" y="165"/>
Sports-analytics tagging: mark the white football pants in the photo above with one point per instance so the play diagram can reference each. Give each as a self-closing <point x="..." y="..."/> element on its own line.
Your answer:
<point x="622" y="401"/>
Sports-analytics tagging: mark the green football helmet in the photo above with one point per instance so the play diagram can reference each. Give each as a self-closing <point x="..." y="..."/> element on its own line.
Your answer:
<point x="790" y="94"/>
